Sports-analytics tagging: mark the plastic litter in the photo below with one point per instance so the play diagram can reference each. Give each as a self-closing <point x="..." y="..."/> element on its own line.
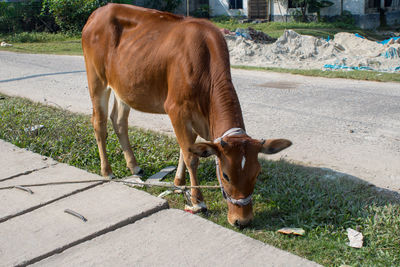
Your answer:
<point x="356" y="238"/>
<point x="344" y="67"/>
<point x="244" y="33"/>
<point x="134" y="179"/>
<point x="165" y="193"/>
<point x="391" y="53"/>
<point x="4" y="44"/>
<point x="387" y="41"/>
<point x="34" y="129"/>
<point x="359" y="36"/>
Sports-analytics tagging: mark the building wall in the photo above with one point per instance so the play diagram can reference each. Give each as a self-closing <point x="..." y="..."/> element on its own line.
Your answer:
<point x="221" y="7"/>
<point x="333" y="10"/>
<point x="364" y="18"/>
<point x="356" y="7"/>
<point x="393" y="17"/>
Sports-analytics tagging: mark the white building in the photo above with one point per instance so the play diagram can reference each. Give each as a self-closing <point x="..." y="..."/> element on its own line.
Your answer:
<point x="366" y="13"/>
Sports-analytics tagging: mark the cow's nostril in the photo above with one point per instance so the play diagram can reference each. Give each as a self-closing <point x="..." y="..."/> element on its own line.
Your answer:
<point x="239" y="225"/>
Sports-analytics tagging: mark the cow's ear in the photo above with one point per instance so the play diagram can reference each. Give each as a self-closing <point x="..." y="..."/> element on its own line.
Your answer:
<point x="204" y="150"/>
<point x="273" y="146"/>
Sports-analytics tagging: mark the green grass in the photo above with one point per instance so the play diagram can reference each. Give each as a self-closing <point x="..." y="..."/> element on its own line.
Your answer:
<point x="43" y="43"/>
<point x="38" y="37"/>
<point x="354" y="74"/>
<point x="285" y="195"/>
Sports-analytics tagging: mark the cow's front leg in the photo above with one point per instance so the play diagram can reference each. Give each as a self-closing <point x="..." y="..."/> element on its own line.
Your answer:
<point x="186" y="137"/>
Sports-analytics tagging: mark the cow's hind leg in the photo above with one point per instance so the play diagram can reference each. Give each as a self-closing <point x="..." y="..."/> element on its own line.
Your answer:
<point x="119" y="117"/>
<point x="100" y="96"/>
<point x="180" y="176"/>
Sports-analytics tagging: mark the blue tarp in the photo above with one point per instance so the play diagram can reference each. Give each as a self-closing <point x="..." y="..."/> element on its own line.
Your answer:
<point x="388" y="40"/>
<point x="391" y="53"/>
<point x="381" y="42"/>
<point x="344" y="67"/>
<point x="359" y="36"/>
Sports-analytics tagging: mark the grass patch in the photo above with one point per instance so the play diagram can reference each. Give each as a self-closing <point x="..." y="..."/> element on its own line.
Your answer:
<point x="38" y="37"/>
<point x="354" y="74"/>
<point x="43" y="43"/>
<point x="72" y="47"/>
<point x="286" y="194"/>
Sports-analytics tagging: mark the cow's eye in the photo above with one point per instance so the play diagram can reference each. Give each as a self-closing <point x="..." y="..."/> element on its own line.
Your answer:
<point x="225" y="176"/>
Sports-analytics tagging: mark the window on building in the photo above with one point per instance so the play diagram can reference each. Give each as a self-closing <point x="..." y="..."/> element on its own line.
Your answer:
<point x="388" y="3"/>
<point x="374" y="3"/>
<point x="235" y="4"/>
<point x="295" y="3"/>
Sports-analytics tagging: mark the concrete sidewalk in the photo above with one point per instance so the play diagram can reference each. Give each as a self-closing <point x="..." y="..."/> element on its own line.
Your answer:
<point x="123" y="226"/>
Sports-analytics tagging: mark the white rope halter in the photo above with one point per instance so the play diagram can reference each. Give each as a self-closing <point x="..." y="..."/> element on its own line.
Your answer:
<point x="241" y="201"/>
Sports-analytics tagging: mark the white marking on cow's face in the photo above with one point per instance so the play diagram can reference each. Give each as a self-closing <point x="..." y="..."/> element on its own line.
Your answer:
<point x="243" y="162"/>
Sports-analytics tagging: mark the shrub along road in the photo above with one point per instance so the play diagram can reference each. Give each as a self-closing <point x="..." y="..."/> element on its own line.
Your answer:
<point x="344" y="125"/>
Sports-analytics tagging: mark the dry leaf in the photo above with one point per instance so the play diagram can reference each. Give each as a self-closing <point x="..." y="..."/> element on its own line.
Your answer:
<point x="292" y="231"/>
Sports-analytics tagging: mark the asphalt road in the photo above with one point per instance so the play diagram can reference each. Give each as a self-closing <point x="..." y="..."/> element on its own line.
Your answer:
<point x="352" y="127"/>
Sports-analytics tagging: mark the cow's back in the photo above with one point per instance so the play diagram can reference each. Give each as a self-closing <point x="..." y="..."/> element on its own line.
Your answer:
<point x="147" y="55"/>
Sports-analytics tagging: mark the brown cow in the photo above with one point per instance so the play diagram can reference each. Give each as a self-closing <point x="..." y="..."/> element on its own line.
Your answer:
<point x="158" y="62"/>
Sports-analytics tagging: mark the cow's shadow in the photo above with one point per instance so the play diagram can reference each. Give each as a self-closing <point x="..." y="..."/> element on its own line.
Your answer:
<point x="292" y="195"/>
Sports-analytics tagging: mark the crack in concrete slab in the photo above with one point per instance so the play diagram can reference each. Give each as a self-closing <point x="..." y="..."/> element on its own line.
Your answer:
<point x="48" y="202"/>
<point x="27" y="172"/>
<point x="111" y="228"/>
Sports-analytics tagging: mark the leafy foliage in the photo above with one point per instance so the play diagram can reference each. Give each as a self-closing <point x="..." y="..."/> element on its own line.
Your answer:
<point x="71" y="15"/>
<point x="163" y="5"/>
<point x="24" y="16"/>
<point x="310" y="6"/>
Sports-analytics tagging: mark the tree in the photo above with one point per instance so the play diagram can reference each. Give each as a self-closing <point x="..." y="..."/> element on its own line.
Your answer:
<point x="164" y="5"/>
<point x="311" y="6"/>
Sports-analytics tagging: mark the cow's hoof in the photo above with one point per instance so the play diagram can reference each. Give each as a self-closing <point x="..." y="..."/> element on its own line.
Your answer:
<point x="196" y="208"/>
<point x="138" y="171"/>
<point x="110" y="176"/>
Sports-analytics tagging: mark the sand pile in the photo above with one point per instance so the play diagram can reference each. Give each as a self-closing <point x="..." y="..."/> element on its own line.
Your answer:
<point x="292" y="50"/>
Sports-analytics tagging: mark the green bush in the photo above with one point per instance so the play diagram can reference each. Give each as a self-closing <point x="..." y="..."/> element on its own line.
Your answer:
<point x="164" y="5"/>
<point x="71" y="15"/>
<point x="24" y="16"/>
<point x="202" y="12"/>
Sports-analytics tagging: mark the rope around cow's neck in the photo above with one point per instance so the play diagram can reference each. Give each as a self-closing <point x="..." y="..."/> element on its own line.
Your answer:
<point x="241" y="201"/>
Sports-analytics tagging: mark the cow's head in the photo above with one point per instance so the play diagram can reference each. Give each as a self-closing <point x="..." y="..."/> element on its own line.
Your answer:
<point x="238" y="168"/>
